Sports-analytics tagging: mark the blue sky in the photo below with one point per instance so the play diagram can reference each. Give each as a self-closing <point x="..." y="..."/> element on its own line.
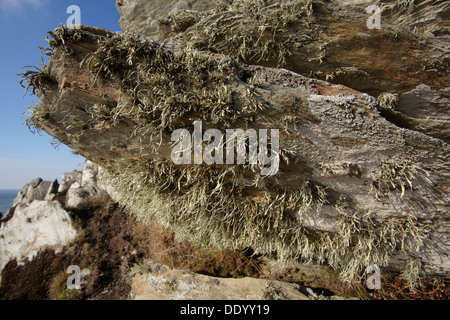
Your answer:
<point x="23" y="28"/>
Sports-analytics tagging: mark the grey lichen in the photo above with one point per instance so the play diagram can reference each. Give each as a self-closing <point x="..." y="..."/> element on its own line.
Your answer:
<point x="248" y="31"/>
<point x="205" y="205"/>
<point x="388" y="100"/>
<point x="397" y="175"/>
<point x="214" y="204"/>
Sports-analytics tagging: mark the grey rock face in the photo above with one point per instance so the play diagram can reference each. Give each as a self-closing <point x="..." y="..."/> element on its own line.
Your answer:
<point x="33" y="227"/>
<point x="142" y="16"/>
<point x="68" y="179"/>
<point x="36" y="189"/>
<point x="159" y="282"/>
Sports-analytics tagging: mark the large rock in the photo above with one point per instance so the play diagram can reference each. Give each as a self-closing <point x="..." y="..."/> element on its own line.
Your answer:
<point x="34" y="227"/>
<point x="355" y="187"/>
<point x="158" y="282"/>
<point x="86" y="188"/>
<point x="329" y="40"/>
<point x="68" y="179"/>
<point x="142" y="16"/>
<point x="36" y="189"/>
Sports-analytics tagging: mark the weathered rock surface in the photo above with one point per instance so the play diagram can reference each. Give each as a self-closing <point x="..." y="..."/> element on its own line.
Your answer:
<point x="68" y="179"/>
<point x="86" y="187"/>
<point x="361" y="181"/>
<point x="33" y="227"/>
<point x="141" y="17"/>
<point x="36" y="189"/>
<point x="328" y="40"/>
<point x="163" y="283"/>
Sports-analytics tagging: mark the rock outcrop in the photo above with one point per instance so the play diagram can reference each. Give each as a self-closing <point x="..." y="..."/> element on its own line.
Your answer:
<point x="68" y="179"/>
<point x="158" y="282"/>
<point x="361" y="181"/>
<point x="33" y="227"/>
<point x="36" y="189"/>
<point x="37" y="221"/>
<point x="85" y="187"/>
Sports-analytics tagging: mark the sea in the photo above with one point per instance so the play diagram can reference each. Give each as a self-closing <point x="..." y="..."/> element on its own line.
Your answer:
<point x="6" y="199"/>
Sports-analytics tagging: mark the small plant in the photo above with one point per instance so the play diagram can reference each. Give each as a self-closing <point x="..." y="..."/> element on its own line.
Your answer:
<point x="388" y="100"/>
<point x="270" y="292"/>
<point x="38" y="113"/>
<point x="411" y="272"/>
<point x="37" y="80"/>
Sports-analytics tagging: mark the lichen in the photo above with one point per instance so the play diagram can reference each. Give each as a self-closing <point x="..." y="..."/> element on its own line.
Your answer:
<point x="207" y="205"/>
<point x="160" y="86"/>
<point x="388" y="100"/>
<point x="249" y="30"/>
<point x="399" y="174"/>
<point x="412" y="272"/>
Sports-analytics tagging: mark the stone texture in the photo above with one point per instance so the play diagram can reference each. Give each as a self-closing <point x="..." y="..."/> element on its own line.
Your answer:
<point x="36" y="189"/>
<point x="141" y="16"/>
<point x="162" y="283"/>
<point x="33" y="227"/>
<point x="69" y="178"/>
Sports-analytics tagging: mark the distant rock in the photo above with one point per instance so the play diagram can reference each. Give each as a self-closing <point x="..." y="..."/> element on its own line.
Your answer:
<point x="52" y="191"/>
<point x="77" y="194"/>
<point x="85" y="188"/>
<point x="68" y="179"/>
<point x="33" y="227"/>
<point x="36" y="221"/>
<point x="36" y="189"/>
